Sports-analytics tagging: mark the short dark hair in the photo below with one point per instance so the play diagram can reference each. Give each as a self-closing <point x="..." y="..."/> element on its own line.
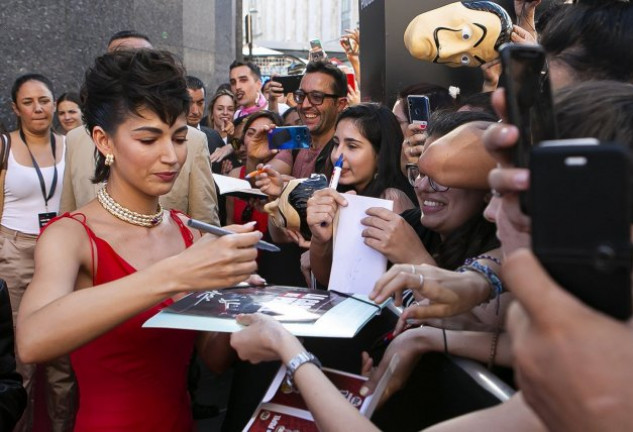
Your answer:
<point x="252" y="66"/>
<point x="444" y="121"/>
<point x="22" y="79"/>
<point x="123" y="82"/>
<point x="339" y="87"/>
<point x="194" y="83"/>
<point x="69" y="96"/>
<point x="125" y="34"/>
<point x="594" y="41"/>
<point x="272" y="116"/>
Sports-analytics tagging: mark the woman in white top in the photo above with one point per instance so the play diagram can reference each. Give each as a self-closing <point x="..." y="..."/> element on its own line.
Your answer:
<point x="32" y="191"/>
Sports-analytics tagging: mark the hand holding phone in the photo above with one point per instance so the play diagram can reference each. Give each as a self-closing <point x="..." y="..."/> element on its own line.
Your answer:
<point x="290" y="83"/>
<point x="528" y="98"/>
<point x="419" y="110"/>
<point x="289" y="137"/>
<point x="580" y="196"/>
<point x="317" y="53"/>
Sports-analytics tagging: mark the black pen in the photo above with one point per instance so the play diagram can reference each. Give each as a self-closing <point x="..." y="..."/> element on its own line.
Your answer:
<point x="215" y="230"/>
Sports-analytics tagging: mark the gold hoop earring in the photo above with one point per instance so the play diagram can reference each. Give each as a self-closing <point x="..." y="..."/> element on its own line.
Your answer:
<point x="109" y="159"/>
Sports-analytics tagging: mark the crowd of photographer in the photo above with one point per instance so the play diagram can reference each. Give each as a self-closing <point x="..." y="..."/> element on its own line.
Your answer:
<point x="472" y="230"/>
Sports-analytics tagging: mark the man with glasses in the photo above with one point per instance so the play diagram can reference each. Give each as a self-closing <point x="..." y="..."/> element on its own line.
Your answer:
<point x="321" y="96"/>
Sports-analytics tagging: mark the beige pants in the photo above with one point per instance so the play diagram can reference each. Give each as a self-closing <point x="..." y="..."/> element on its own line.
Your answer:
<point x="16" y="268"/>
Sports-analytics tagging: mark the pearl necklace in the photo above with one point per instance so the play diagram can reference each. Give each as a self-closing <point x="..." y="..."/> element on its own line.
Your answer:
<point x="127" y="215"/>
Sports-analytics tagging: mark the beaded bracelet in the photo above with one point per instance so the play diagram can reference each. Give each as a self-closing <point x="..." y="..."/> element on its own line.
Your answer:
<point x="486" y="272"/>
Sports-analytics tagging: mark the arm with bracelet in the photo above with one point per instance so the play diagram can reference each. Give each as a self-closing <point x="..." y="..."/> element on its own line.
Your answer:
<point x="264" y="339"/>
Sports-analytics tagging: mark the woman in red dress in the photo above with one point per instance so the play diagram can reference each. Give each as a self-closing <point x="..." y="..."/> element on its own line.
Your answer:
<point x="101" y="272"/>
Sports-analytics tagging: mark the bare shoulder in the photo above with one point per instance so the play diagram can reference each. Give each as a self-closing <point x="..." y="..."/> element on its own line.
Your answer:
<point x="64" y="239"/>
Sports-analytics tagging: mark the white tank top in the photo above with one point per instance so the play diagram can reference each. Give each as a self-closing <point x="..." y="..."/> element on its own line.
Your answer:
<point x="23" y="199"/>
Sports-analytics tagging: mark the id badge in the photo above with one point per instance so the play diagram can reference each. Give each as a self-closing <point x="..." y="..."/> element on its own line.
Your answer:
<point x="44" y="218"/>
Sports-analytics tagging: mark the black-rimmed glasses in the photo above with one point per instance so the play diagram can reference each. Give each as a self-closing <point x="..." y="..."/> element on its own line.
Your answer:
<point x="315" y="97"/>
<point x="413" y="173"/>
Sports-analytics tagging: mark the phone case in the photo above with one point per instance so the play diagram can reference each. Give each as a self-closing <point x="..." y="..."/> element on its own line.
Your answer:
<point x="580" y="199"/>
<point x="289" y="137"/>
<point x="419" y="110"/>
<point x="290" y="83"/>
<point x="528" y="98"/>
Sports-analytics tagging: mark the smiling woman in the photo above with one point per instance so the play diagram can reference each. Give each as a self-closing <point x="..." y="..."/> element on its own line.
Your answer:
<point x="122" y="258"/>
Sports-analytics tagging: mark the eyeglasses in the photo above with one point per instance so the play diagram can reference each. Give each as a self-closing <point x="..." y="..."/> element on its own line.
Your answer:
<point x="316" y="98"/>
<point x="413" y="173"/>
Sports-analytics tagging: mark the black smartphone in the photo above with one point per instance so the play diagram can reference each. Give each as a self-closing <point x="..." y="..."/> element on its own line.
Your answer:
<point x="290" y="83"/>
<point x="528" y="97"/>
<point x="289" y="137"/>
<point x="419" y="110"/>
<point x="580" y="195"/>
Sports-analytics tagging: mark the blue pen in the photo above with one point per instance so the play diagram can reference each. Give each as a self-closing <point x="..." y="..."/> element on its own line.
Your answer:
<point x="336" y="174"/>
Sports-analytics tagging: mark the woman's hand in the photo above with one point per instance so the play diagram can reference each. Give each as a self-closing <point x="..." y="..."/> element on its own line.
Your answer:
<point x="409" y="347"/>
<point x="521" y="36"/>
<point x="413" y="144"/>
<point x="353" y="95"/>
<point x="444" y="293"/>
<point x="217" y="262"/>
<point x="264" y="339"/>
<point x="392" y="236"/>
<point x="270" y="181"/>
<point x="322" y="208"/>
<point x="257" y="149"/>
<point x="227" y="167"/>
<point x="228" y="128"/>
<point x="220" y="153"/>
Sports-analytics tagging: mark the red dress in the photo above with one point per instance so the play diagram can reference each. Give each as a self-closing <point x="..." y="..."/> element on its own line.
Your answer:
<point x="243" y="212"/>
<point x="133" y="378"/>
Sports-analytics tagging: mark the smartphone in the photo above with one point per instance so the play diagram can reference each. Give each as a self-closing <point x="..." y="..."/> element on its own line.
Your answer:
<point x="289" y="137"/>
<point x="290" y="83"/>
<point x="528" y="98"/>
<point x="580" y="195"/>
<point x="316" y="53"/>
<point x="351" y="80"/>
<point x="419" y="110"/>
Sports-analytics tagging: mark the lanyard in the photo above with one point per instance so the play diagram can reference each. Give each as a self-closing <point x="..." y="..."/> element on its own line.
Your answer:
<point x="51" y="192"/>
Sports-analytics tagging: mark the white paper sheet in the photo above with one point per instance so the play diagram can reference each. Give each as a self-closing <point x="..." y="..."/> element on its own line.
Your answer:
<point x="355" y="266"/>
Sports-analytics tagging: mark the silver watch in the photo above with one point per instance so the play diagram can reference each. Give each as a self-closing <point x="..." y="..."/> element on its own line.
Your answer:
<point x="296" y="362"/>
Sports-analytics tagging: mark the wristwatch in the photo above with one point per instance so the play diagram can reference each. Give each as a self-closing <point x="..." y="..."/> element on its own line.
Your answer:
<point x="296" y="362"/>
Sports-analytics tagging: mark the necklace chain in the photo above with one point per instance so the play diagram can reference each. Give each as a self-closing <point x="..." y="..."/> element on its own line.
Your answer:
<point x="128" y="215"/>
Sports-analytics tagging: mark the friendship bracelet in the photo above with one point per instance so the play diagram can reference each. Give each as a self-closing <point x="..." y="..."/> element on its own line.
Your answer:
<point x="491" y="277"/>
<point x="481" y="257"/>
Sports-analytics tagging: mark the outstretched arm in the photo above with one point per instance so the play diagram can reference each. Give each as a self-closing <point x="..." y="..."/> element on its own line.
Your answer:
<point x="264" y="339"/>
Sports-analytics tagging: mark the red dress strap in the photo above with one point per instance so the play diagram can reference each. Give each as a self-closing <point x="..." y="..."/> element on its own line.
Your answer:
<point x="187" y="236"/>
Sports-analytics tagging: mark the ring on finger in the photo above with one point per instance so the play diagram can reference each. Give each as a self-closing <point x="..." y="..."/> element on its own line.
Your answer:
<point x="412" y="268"/>
<point x="421" y="280"/>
